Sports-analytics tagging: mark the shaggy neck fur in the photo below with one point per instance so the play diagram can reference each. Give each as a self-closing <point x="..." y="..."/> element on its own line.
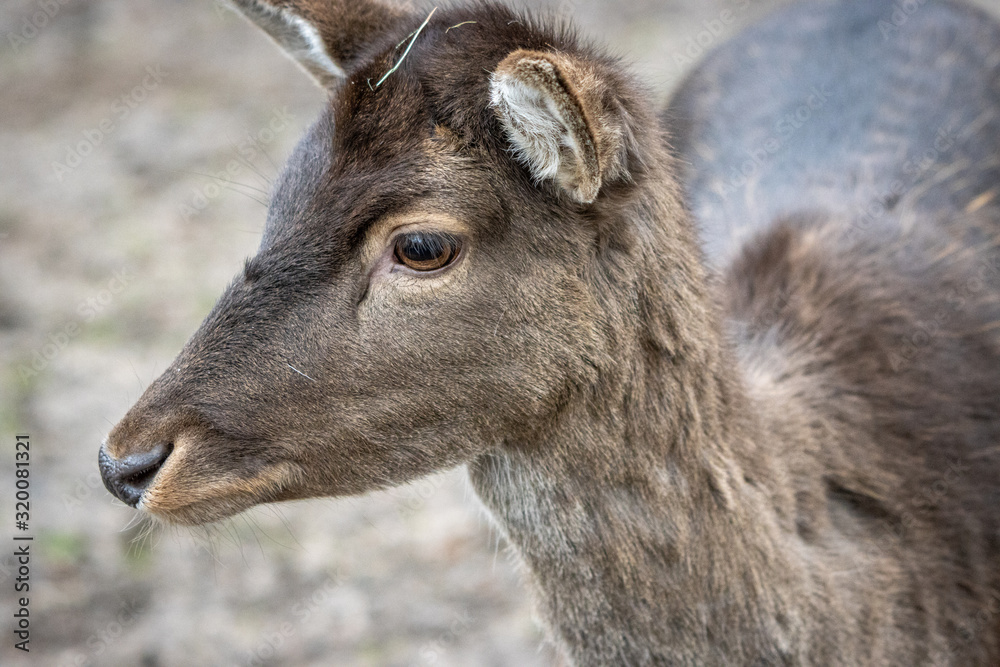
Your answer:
<point x="638" y="512"/>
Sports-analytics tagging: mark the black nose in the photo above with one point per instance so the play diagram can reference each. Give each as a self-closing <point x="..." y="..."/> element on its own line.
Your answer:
<point x="128" y="477"/>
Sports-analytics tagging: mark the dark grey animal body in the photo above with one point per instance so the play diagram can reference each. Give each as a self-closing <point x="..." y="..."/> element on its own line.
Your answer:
<point x="842" y="162"/>
<point x="852" y="107"/>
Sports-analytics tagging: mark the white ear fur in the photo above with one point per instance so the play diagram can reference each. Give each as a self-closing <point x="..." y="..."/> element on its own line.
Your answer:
<point x="314" y="51"/>
<point x="299" y="38"/>
<point x="547" y="123"/>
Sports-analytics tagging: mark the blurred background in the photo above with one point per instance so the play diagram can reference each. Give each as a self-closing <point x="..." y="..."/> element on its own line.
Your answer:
<point x="138" y="143"/>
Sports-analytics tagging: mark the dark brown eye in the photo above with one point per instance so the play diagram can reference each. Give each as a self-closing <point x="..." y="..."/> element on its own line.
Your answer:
<point x="426" y="252"/>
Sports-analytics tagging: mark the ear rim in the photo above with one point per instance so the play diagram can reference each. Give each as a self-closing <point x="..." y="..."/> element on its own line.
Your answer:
<point x="327" y="38"/>
<point x="528" y="73"/>
<point x="297" y="38"/>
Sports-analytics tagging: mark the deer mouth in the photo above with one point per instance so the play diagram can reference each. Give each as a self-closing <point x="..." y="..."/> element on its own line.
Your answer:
<point x="181" y="495"/>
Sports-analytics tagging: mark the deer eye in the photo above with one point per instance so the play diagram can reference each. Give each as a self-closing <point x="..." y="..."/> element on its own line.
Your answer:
<point x="426" y="252"/>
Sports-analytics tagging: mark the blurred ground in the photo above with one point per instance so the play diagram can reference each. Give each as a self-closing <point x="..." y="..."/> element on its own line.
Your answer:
<point x="116" y="236"/>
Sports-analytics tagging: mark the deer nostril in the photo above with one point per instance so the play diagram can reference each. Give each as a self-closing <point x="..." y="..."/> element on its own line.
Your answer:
<point x="128" y="477"/>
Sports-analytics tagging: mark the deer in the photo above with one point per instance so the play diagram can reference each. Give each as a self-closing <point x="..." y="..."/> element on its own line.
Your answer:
<point x="726" y="374"/>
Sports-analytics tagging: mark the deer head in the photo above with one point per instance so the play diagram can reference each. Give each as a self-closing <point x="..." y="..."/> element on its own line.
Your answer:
<point x="432" y="281"/>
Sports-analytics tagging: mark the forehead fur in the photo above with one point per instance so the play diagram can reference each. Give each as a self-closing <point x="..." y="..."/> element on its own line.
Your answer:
<point x="443" y="81"/>
<point x="379" y="148"/>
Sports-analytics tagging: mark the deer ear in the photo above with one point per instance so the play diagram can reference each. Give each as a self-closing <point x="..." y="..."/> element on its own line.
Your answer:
<point x="325" y="37"/>
<point x="563" y="120"/>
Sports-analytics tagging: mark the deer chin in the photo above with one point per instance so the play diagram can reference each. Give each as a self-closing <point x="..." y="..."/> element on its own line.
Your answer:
<point x="193" y="501"/>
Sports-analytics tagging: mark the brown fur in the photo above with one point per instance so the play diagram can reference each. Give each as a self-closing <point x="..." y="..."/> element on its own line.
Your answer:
<point x="748" y="467"/>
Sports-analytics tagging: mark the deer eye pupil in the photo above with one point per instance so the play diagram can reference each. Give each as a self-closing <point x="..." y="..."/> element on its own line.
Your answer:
<point x="426" y="252"/>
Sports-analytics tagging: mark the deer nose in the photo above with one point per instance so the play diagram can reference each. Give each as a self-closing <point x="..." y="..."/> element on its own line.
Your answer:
<point x="128" y="477"/>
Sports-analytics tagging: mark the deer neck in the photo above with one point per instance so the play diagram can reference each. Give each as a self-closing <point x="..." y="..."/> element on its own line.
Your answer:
<point x="638" y="512"/>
